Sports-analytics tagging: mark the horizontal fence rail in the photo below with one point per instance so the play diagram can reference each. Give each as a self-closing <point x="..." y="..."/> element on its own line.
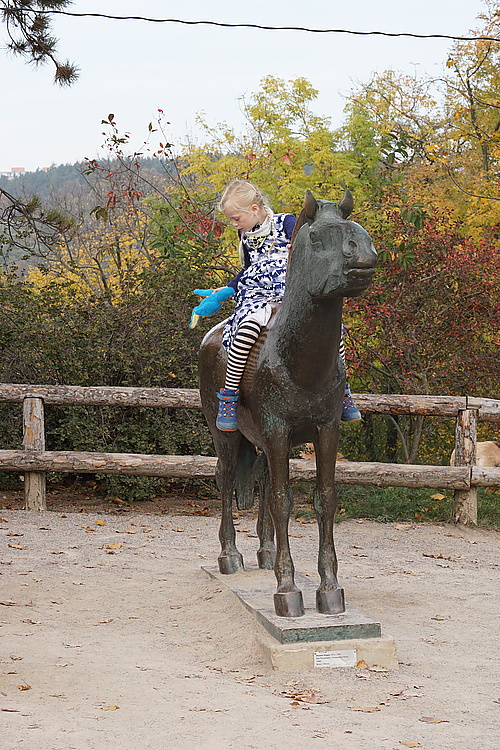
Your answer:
<point x="346" y="472"/>
<point x="186" y="398"/>
<point x="35" y="461"/>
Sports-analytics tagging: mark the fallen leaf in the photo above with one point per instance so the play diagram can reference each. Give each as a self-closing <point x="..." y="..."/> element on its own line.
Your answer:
<point x="431" y="720"/>
<point x="303" y="696"/>
<point x="88" y="528"/>
<point x="13" y="533"/>
<point x="361" y="664"/>
<point x="24" y="687"/>
<point x="113" y="547"/>
<point x="409" y="743"/>
<point x="436" y="496"/>
<point x="365" y="709"/>
<point x="433" y="641"/>
<point x="441" y="617"/>
<point x="8" y="603"/>
<point x="377" y="668"/>
<point x="100" y="523"/>
<point x="110" y="708"/>
<point x="16" y="546"/>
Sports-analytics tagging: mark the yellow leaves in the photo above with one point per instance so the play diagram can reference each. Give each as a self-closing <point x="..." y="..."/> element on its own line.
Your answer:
<point x="110" y="708"/>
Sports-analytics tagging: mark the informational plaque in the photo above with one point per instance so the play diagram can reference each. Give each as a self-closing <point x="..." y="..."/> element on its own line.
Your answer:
<point x="345" y="658"/>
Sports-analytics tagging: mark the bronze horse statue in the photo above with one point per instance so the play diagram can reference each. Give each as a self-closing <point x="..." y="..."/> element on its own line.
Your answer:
<point x="291" y="393"/>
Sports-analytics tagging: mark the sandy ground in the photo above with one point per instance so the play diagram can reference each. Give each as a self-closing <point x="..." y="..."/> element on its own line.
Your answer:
<point x="113" y="636"/>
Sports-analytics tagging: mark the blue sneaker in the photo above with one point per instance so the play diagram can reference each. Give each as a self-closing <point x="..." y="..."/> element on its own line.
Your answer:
<point x="226" y="417"/>
<point x="349" y="411"/>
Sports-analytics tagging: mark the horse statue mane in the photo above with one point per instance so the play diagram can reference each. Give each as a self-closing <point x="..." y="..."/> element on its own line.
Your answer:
<point x="291" y="393"/>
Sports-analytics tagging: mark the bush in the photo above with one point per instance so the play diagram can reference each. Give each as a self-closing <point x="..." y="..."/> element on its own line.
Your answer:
<point x="55" y="336"/>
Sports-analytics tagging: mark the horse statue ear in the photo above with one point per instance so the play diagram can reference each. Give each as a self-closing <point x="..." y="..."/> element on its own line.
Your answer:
<point x="306" y="215"/>
<point x="310" y="205"/>
<point x="346" y="205"/>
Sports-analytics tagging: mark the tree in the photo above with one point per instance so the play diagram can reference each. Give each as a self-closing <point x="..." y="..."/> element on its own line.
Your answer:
<point x="29" y="30"/>
<point x="438" y="140"/>
<point x="470" y="150"/>
<point x="428" y="323"/>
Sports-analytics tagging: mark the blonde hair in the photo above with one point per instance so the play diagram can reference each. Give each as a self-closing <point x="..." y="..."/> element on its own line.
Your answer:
<point x="240" y="195"/>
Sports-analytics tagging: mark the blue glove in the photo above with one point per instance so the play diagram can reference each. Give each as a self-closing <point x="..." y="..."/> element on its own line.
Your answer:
<point x="210" y="304"/>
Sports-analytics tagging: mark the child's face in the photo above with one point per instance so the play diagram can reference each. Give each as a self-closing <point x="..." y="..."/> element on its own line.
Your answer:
<point x="246" y="219"/>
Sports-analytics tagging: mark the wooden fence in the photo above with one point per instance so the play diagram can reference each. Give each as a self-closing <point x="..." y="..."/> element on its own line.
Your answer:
<point x="35" y="461"/>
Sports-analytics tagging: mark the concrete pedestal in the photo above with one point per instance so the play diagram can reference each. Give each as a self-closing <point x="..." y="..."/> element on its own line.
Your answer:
<point x="313" y="640"/>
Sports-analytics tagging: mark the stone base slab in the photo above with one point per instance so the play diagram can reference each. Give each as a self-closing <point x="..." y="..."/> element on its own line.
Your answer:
<point x="372" y="652"/>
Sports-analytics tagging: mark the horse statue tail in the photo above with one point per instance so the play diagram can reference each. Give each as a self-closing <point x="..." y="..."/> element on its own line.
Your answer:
<point x="251" y="474"/>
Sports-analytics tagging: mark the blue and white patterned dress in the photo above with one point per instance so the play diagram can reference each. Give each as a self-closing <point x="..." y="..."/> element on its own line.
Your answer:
<point x="262" y="279"/>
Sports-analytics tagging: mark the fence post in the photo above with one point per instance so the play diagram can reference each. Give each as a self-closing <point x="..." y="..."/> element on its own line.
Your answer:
<point x="34" y="440"/>
<point x="465" y="501"/>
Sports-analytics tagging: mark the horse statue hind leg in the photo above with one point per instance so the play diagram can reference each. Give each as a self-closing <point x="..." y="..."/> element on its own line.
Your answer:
<point x="239" y="469"/>
<point x="291" y="393"/>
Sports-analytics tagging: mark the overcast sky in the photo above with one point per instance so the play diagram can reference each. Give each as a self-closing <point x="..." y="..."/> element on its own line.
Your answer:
<point x="132" y="68"/>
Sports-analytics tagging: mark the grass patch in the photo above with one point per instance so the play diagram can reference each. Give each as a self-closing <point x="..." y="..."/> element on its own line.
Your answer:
<point x="386" y="504"/>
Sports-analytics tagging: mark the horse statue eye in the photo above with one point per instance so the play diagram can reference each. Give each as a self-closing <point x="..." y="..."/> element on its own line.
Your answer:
<point x="350" y="248"/>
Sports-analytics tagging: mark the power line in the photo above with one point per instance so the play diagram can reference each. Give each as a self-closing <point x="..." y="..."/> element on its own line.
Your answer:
<point x="275" y="28"/>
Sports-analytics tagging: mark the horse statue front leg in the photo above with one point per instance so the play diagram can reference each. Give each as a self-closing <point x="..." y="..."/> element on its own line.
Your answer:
<point x="227" y="445"/>
<point x="329" y="595"/>
<point x="288" y="601"/>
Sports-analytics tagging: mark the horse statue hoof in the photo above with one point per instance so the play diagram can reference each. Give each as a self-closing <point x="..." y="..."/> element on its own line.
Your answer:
<point x="289" y="604"/>
<point x="266" y="559"/>
<point x="330" y="602"/>
<point x="230" y="563"/>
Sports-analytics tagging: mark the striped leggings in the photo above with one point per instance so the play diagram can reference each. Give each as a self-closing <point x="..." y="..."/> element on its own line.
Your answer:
<point x="237" y="356"/>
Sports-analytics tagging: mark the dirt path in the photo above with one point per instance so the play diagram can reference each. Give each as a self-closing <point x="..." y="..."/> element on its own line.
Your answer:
<point x="112" y="636"/>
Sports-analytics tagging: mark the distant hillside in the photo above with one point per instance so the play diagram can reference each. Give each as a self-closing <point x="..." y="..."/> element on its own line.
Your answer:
<point x="59" y="179"/>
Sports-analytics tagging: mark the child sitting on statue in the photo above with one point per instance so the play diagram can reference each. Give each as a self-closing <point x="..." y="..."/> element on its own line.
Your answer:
<point x="264" y="244"/>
